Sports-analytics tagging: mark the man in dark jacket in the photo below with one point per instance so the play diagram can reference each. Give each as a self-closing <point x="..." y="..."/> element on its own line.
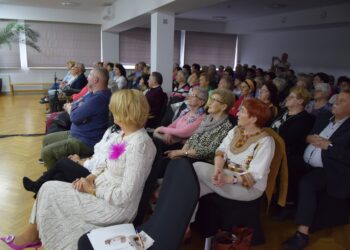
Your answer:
<point x="328" y="155"/>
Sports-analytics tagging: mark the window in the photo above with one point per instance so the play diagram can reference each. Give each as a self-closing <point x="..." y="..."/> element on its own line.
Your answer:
<point x="61" y="42"/>
<point x="9" y="57"/>
<point x="210" y="48"/>
<point x="135" y="46"/>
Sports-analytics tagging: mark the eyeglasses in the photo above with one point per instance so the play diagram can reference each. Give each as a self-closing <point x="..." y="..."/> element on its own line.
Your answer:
<point x="194" y="95"/>
<point x="212" y="99"/>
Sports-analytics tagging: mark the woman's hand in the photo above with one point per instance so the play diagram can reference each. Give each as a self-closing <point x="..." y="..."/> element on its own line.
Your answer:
<point x="74" y="158"/>
<point x="168" y="139"/>
<point x="83" y="185"/>
<point x="219" y="178"/>
<point x="174" y="153"/>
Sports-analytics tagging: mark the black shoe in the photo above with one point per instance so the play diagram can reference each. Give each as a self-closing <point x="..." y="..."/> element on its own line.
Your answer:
<point x="40" y="161"/>
<point x="297" y="242"/>
<point x="43" y="101"/>
<point x="29" y="185"/>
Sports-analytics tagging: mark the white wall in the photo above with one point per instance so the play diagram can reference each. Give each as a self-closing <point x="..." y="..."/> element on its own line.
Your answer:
<point x="310" y="50"/>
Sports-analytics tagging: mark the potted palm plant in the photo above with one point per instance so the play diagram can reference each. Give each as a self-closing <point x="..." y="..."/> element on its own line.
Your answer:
<point x="11" y="33"/>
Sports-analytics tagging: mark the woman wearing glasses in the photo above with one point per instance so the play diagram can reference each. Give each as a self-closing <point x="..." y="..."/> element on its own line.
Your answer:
<point x="188" y="121"/>
<point x="205" y="140"/>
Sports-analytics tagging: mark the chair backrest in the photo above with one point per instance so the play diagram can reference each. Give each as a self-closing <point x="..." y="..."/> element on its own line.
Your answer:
<point x="177" y="200"/>
<point x="147" y="190"/>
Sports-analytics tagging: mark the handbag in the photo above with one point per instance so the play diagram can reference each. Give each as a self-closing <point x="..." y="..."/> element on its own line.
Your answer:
<point x="239" y="239"/>
<point x="224" y="240"/>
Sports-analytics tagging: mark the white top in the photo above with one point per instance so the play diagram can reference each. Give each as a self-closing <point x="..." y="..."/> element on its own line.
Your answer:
<point x="118" y="83"/>
<point x="262" y="151"/>
<point x="119" y="180"/>
<point x="312" y="154"/>
<point x="101" y="149"/>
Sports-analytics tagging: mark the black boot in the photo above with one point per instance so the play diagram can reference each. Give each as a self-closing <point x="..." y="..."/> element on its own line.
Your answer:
<point x="30" y="185"/>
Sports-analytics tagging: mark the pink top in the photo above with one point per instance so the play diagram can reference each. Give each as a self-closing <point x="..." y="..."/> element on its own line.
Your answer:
<point x="184" y="126"/>
<point x="76" y="97"/>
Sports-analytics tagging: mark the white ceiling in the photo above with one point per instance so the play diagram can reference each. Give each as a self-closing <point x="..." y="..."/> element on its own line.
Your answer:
<point x="234" y="10"/>
<point x="77" y="4"/>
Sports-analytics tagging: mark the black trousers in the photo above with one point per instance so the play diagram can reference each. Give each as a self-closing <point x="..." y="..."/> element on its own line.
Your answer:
<point x="84" y="243"/>
<point x="310" y="185"/>
<point x="64" y="170"/>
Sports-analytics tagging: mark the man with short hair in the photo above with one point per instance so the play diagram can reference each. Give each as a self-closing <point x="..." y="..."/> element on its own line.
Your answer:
<point x="89" y="117"/>
<point x="157" y="100"/>
<point x="328" y="155"/>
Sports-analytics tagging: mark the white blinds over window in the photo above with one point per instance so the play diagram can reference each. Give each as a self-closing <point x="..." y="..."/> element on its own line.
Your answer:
<point x="9" y="57"/>
<point x="61" y="42"/>
<point x="135" y="46"/>
<point x="210" y="48"/>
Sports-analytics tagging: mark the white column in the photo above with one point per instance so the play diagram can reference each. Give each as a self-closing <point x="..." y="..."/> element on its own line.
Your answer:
<point x="109" y="47"/>
<point x="182" y="47"/>
<point x="23" y="49"/>
<point x="162" y="46"/>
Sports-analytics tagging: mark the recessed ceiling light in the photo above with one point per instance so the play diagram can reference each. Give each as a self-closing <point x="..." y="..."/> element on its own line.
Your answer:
<point x="69" y="4"/>
<point x="277" y="5"/>
<point x="219" y="18"/>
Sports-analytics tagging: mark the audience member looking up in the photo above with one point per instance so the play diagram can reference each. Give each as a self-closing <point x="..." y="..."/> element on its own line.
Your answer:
<point x="157" y="100"/>
<point x="89" y="118"/>
<point x="109" y="195"/>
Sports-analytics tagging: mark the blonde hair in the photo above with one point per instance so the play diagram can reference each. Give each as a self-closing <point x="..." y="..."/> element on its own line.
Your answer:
<point x="227" y="97"/>
<point x="70" y="64"/>
<point x="301" y="93"/>
<point x="129" y="106"/>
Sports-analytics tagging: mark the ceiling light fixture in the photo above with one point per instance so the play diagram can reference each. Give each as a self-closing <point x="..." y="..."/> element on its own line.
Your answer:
<point x="69" y="4"/>
<point x="277" y="6"/>
<point x="219" y="18"/>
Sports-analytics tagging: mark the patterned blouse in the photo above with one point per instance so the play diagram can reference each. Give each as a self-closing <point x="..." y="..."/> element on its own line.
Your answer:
<point x="207" y="142"/>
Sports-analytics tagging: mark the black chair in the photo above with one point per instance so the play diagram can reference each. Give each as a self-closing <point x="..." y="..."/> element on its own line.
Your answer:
<point x="175" y="206"/>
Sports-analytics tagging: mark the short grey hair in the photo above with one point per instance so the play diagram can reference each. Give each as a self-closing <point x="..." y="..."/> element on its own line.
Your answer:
<point x="202" y="93"/>
<point x="324" y="87"/>
<point x="80" y="65"/>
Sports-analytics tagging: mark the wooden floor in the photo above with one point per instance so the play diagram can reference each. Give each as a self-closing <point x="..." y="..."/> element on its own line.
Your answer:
<point x="22" y="114"/>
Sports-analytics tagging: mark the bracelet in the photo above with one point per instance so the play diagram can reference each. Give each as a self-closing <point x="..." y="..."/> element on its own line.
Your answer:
<point x="186" y="153"/>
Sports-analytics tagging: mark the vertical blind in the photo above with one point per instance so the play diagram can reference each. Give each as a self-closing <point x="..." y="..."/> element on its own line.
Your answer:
<point x="9" y="57"/>
<point x="210" y="48"/>
<point x="61" y="42"/>
<point x="135" y="46"/>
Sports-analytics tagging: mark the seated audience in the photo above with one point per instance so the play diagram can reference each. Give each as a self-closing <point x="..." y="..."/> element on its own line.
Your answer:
<point x="242" y="161"/>
<point x="226" y="82"/>
<point x="109" y="195"/>
<point x="188" y="121"/>
<point x="269" y="96"/>
<point x="73" y="167"/>
<point x="237" y="85"/>
<point x="320" y="102"/>
<point x="247" y="91"/>
<point x="110" y="68"/>
<point x="203" y="143"/>
<point x="293" y="125"/>
<point x="144" y="86"/>
<point x="89" y="118"/>
<point x="204" y="81"/>
<point x="78" y="83"/>
<point x="119" y="81"/>
<point x="157" y="100"/>
<point x="327" y="155"/>
<point x="304" y="81"/>
<point x="181" y="88"/>
<point x="319" y="78"/>
<point x="343" y="84"/>
<point x="194" y="77"/>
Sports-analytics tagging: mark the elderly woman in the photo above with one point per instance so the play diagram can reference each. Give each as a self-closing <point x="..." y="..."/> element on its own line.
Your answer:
<point x="247" y="91"/>
<point x="110" y="195"/>
<point x="293" y="125"/>
<point x="321" y="96"/>
<point x="181" y="88"/>
<point x="243" y="159"/>
<point x="203" y="143"/>
<point x="188" y="121"/>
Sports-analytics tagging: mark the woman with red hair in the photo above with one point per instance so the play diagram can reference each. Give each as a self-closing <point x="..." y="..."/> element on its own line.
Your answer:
<point x="243" y="159"/>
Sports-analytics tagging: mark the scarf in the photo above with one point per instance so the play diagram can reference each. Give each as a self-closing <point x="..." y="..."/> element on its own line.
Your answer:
<point x="209" y="123"/>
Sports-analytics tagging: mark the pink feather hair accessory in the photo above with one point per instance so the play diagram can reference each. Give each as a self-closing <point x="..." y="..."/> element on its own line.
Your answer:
<point x="117" y="150"/>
